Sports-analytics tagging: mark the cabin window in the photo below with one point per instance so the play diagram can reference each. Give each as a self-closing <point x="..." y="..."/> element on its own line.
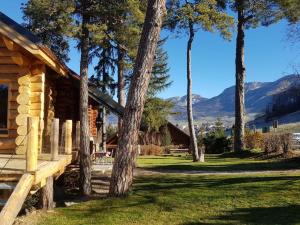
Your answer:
<point x="3" y="108"/>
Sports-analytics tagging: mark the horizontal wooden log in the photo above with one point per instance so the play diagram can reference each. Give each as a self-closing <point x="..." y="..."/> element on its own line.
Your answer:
<point x="14" y="86"/>
<point x="6" y="143"/>
<point x="21" y="150"/>
<point x="12" y="124"/>
<point x="22" y="119"/>
<point x="6" y="52"/>
<point x="36" y="113"/>
<point x="6" y="60"/>
<point x="13" y="104"/>
<point x="23" y="99"/>
<point x="24" y="89"/>
<point x="39" y="78"/>
<point x="21" y="140"/>
<point x="37" y="87"/>
<point x="9" y="44"/>
<point x="24" y="80"/>
<point x="35" y="106"/>
<point x="36" y="99"/>
<point x="22" y="130"/>
<point x="20" y="60"/>
<point x="24" y="109"/>
<point x="9" y="69"/>
<point x="37" y="69"/>
<point x="9" y="76"/>
<point x="13" y="113"/>
<point x="12" y="133"/>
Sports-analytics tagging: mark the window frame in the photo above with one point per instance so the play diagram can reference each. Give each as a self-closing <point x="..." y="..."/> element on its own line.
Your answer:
<point x="3" y="82"/>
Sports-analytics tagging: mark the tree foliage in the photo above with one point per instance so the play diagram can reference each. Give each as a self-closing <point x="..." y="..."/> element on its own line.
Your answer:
<point x="156" y="112"/>
<point x="160" y="78"/>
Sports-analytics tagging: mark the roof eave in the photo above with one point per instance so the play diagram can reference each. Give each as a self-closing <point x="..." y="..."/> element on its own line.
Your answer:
<point x="32" y="48"/>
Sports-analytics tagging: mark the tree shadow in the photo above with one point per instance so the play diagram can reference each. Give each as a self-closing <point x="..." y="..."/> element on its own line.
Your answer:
<point x="238" y="167"/>
<point x="287" y="215"/>
<point x="161" y="183"/>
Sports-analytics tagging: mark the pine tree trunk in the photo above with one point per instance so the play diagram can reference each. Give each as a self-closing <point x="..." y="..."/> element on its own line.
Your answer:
<point x="239" y="129"/>
<point x="122" y="174"/>
<point x="46" y="197"/>
<point x="85" y="159"/>
<point x="193" y="139"/>
<point x="104" y="134"/>
<point x="121" y="83"/>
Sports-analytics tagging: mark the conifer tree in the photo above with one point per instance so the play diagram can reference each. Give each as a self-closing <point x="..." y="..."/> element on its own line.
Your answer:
<point x="251" y="13"/>
<point x="80" y="20"/>
<point x="160" y="78"/>
<point x="189" y="17"/>
<point x="122" y="173"/>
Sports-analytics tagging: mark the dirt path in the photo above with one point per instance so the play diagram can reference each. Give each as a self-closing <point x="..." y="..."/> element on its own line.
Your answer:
<point x="146" y="172"/>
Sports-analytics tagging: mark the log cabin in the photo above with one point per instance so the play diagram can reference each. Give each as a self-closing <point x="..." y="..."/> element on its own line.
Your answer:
<point x="179" y="139"/>
<point x="39" y="113"/>
<point x="33" y="82"/>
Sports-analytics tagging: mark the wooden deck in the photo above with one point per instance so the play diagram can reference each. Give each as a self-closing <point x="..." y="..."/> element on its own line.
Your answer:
<point x="16" y="165"/>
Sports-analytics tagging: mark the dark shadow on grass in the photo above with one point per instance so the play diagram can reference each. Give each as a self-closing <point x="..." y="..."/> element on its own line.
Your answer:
<point x="287" y="215"/>
<point x="254" y="166"/>
<point x="171" y="183"/>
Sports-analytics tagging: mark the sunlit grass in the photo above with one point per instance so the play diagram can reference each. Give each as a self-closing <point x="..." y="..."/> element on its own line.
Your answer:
<point x="248" y="161"/>
<point x="191" y="200"/>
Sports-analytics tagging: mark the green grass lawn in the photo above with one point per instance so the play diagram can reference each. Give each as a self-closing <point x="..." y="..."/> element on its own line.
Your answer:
<point x="191" y="200"/>
<point x="196" y="199"/>
<point x="249" y="161"/>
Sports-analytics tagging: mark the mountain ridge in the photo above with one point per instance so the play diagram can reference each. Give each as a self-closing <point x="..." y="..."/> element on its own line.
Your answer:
<point x="257" y="96"/>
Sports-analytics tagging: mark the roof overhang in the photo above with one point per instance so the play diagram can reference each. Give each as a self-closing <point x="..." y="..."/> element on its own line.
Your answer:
<point x="34" y="49"/>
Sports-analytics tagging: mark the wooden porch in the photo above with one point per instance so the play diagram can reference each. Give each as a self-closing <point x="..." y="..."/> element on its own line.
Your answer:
<point x="22" y="174"/>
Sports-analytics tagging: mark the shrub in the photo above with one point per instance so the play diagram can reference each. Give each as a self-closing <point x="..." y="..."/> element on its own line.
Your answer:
<point x="216" y="145"/>
<point x="277" y="143"/>
<point x="286" y="142"/>
<point x="151" y="150"/>
<point x="253" y="140"/>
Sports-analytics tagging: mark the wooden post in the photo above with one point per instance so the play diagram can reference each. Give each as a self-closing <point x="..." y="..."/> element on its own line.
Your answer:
<point x="68" y="137"/>
<point x="46" y="197"/>
<point x="54" y="139"/>
<point x="32" y="144"/>
<point x="77" y="140"/>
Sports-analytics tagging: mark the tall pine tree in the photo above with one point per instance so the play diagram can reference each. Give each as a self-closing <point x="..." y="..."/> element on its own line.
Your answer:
<point x="189" y="17"/>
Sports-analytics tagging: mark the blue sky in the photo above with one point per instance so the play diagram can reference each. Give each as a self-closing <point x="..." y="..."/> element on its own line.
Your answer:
<point x="268" y="56"/>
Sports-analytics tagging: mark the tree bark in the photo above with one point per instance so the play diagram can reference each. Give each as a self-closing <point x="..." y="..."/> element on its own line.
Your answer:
<point x="239" y="128"/>
<point x="121" y="83"/>
<point x="46" y="197"/>
<point x="104" y="134"/>
<point x="189" y="106"/>
<point x="122" y="174"/>
<point x="85" y="159"/>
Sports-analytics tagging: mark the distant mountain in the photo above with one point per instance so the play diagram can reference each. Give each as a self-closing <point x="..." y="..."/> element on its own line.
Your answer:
<point x="257" y="96"/>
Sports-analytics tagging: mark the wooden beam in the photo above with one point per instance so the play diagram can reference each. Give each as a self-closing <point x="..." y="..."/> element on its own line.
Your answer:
<point x="32" y="144"/>
<point x="7" y="52"/>
<point x="9" y="69"/>
<point x="16" y="200"/>
<point x="54" y="139"/>
<point x="9" y="43"/>
<point x="6" y="60"/>
<point x="68" y="137"/>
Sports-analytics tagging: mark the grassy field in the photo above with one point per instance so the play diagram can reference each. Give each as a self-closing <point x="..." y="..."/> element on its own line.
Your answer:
<point x="249" y="161"/>
<point x="194" y="199"/>
<point x="191" y="200"/>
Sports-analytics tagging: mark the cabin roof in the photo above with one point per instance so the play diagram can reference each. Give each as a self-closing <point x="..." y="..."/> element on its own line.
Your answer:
<point x="33" y="44"/>
<point x="30" y="42"/>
